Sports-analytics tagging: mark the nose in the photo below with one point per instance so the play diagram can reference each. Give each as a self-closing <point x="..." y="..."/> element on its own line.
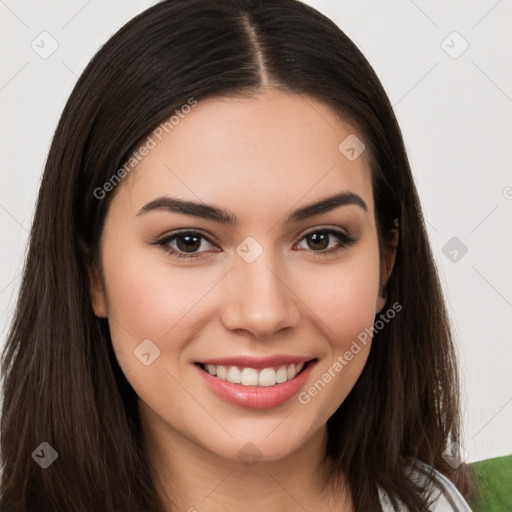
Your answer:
<point x="258" y="300"/>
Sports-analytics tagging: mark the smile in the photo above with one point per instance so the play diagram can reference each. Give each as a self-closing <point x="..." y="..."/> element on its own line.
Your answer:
<point x="265" y="377"/>
<point x="255" y="388"/>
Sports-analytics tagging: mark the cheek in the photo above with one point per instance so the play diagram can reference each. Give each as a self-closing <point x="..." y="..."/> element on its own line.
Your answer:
<point x="343" y="301"/>
<point x="343" y="296"/>
<point x="352" y="309"/>
<point x="148" y="299"/>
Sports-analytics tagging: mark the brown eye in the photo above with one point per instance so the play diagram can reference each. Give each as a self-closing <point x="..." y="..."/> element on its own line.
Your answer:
<point x="186" y="244"/>
<point x="326" y="240"/>
<point x="318" y="240"/>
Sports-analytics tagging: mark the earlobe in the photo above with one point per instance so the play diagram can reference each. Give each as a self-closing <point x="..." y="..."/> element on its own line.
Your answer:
<point x="381" y="302"/>
<point x="387" y="265"/>
<point x="98" y="297"/>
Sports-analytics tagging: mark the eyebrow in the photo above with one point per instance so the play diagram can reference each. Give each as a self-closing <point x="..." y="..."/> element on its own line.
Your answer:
<point x="209" y="212"/>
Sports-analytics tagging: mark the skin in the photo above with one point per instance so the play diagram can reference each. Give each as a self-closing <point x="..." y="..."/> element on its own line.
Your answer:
<point x="259" y="158"/>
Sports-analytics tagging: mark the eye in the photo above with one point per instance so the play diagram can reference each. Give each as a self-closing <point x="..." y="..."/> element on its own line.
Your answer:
<point x="186" y="244"/>
<point x="323" y="241"/>
<point x="194" y="244"/>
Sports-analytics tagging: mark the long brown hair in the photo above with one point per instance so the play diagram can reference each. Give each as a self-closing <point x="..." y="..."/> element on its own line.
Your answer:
<point x="62" y="383"/>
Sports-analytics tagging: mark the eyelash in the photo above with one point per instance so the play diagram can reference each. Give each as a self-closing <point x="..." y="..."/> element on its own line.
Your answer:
<point x="345" y="242"/>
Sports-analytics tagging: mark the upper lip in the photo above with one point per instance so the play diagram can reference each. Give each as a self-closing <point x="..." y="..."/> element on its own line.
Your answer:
<point x="257" y="362"/>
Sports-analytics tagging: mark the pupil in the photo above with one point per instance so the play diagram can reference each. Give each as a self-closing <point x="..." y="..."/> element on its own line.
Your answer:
<point x="187" y="243"/>
<point x="320" y="238"/>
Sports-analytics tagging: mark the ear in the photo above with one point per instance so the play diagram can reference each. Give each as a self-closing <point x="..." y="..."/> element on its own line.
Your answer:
<point x="98" y="296"/>
<point x="386" y="265"/>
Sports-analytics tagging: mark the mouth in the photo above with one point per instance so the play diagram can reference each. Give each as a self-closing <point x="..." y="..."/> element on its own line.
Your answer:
<point x="263" y="387"/>
<point x="271" y="376"/>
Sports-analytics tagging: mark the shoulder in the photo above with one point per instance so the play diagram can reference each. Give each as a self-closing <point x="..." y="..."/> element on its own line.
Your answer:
<point x="443" y="495"/>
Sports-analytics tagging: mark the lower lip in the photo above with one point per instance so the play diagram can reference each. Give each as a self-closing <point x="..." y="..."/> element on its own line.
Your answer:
<point x="256" y="397"/>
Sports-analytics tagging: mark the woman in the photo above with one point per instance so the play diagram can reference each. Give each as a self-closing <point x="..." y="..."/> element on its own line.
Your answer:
<point x="229" y="300"/>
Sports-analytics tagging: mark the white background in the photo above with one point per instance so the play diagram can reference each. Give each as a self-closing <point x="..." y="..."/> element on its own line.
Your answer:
<point x="456" y="117"/>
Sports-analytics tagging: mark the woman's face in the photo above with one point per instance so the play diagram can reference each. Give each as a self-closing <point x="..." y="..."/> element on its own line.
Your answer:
<point x="249" y="278"/>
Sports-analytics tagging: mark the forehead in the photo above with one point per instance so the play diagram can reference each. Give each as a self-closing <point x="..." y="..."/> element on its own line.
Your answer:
<point x="255" y="153"/>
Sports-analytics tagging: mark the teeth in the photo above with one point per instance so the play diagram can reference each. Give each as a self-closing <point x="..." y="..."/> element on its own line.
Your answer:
<point x="282" y="375"/>
<point x="234" y="375"/>
<point x="249" y="377"/>
<point x="252" y="377"/>
<point x="221" y="371"/>
<point x="267" y="377"/>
